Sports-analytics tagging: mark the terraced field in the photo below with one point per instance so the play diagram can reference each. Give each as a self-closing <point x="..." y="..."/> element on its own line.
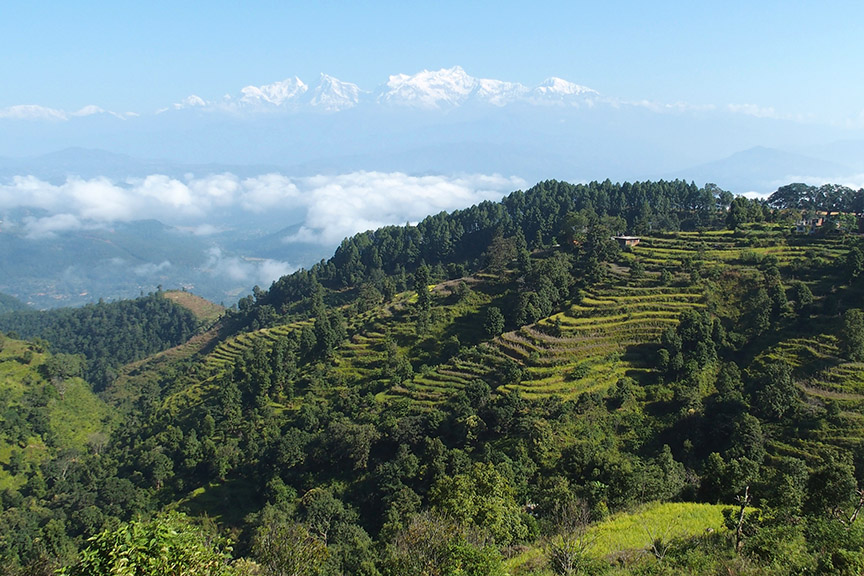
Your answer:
<point x="614" y="328"/>
<point x="826" y="381"/>
<point x="588" y="347"/>
<point x="718" y="247"/>
<point x="611" y="332"/>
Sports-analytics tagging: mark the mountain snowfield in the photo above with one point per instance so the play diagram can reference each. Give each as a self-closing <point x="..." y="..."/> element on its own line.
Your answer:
<point x="428" y="89"/>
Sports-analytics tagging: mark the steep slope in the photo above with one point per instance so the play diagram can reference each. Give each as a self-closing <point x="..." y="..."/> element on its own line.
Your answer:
<point x="45" y="409"/>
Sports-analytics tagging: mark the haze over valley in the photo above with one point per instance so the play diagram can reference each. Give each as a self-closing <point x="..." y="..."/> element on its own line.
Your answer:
<point x="255" y="184"/>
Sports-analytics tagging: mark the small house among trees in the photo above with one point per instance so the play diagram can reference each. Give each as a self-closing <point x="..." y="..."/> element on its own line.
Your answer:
<point x="625" y="241"/>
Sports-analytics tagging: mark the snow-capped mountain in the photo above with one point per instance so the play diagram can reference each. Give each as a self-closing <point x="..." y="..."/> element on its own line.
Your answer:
<point x="429" y="89"/>
<point x="332" y="95"/>
<point x="558" y="89"/>
<point x="451" y="87"/>
<point x="498" y="92"/>
<point x="278" y="93"/>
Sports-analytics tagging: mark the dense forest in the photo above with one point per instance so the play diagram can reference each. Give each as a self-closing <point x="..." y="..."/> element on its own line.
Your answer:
<point x="505" y="389"/>
<point x="108" y="335"/>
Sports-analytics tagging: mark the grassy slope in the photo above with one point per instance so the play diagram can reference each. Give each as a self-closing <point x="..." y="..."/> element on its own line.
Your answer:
<point x="163" y="366"/>
<point x="76" y="416"/>
<point x="631" y="534"/>
<point x="205" y="311"/>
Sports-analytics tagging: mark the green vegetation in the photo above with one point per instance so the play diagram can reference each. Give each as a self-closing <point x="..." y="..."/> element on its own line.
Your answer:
<point x="47" y="413"/>
<point x="168" y="544"/>
<point x="204" y="311"/>
<point x="630" y="534"/>
<point x="10" y="304"/>
<point x="108" y="334"/>
<point x="502" y="390"/>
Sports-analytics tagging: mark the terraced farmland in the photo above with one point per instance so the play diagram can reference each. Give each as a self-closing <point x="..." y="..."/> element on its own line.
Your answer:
<point x="826" y="381"/>
<point x="718" y="247"/>
<point x="594" y="343"/>
<point x="610" y="332"/>
<point x="587" y="347"/>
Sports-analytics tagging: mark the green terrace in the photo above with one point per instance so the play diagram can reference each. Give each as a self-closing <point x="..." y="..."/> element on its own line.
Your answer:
<point x="674" y="248"/>
<point x="610" y="331"/>
<point x="585" y="348"/>
<point x="827" y="382"/>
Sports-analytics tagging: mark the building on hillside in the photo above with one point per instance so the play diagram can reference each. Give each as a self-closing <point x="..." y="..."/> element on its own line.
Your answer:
<point x="810" y="225"/>
<point x="627" y="241"/>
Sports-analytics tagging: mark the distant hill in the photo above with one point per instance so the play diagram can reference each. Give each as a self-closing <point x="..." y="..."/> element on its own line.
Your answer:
<point x="11" y="304"/>
<point x="108" y="334"/>
<point x="762" y="170"/>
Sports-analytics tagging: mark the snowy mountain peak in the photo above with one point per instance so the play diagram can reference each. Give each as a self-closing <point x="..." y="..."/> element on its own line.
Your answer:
<point x="332" y="95"/>
<point x="498" y="92"/>
<point x="278" y="93"/>
<point x="429" y="89"/>
<point x="558" y="87"/>
<point x="450" y="87"/>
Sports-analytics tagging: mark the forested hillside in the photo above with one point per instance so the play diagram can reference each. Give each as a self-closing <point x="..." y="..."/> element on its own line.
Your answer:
<point x="10" y="304"/>
<point x="507" y="389"/>
<point x="108" y="335"/>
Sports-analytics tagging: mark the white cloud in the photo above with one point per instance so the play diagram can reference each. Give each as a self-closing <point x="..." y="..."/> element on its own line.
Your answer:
<point x="335" y="206"/>
<point x="151" y="268"/>
<point x="661" y="107"/>
<point x="99" y="199"/>
<point x="31" y="112"/>
<point x="339" y="206"/>
<point x="752" y="194"/>
<point x="36" y="112"/>
<point x="753" y="110"/>
<point x="48" y="227"/>
<point x="267" y="192"/>
<point x="169" y="193"/>
<point x="261" y="271"/>
<point x="89" y="111"/>
<point x="205" y="230"/>
<point x="93" y="110"/>
<point x="853" y="181"/>
<point x="214" y="190"/>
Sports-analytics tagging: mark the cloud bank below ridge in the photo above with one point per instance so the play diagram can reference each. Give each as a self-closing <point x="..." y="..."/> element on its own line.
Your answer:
<point x="329" y="207"/>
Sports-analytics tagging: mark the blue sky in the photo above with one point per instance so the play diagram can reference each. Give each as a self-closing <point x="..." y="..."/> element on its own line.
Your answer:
<point x="801" y="59"/>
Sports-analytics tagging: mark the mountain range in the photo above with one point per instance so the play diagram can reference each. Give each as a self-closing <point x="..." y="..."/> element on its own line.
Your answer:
<point x="439" y="89"/>
<point x="432" y="122"/>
